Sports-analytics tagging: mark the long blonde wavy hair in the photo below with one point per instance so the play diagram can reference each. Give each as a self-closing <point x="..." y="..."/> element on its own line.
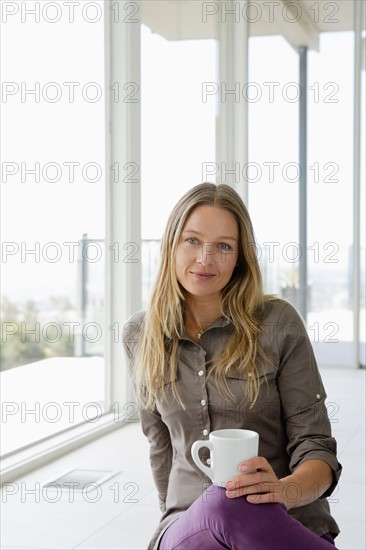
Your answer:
<point x="242" y="301"/>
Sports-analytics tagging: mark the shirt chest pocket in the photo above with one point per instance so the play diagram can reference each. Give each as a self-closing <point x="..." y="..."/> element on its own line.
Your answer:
<point x="238" y="409"/>
<point x="238" y="382"/>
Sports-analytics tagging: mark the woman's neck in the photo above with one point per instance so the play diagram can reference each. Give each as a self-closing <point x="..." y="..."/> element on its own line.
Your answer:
<point x="200" y="313"/>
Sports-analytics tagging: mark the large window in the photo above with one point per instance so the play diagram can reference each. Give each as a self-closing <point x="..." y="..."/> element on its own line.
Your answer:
<point x="273" y="179"/>
<point x="178" y="130"/>
<point x="273" y="167"/>
<point x="53" y="219"/>
<point x="330" y="194"/>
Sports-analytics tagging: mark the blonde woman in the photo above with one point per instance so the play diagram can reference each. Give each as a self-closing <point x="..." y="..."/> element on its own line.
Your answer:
<point x="213" y="352"/>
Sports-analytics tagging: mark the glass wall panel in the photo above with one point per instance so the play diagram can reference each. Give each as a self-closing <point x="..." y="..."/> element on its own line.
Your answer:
<point x="53" y="203"/>
<point x="330" y="198"/>
<point x="273" y="168"/>
<point x="178" y="128"/>
<point x="363" y="218"/>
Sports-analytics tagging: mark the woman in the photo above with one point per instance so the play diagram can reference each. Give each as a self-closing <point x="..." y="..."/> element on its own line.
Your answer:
<point x="212" y="352"/>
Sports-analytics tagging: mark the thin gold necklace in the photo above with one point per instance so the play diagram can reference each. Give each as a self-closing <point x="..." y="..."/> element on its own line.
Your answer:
<point x="199" y="334"/>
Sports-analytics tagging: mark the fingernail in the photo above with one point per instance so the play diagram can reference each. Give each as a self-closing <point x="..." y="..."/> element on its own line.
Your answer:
<point x="242" y="467"/>
<point x="230" y="485"/>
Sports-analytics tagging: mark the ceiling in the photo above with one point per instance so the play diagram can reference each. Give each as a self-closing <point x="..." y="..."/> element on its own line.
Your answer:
<point x="300" y="21"/>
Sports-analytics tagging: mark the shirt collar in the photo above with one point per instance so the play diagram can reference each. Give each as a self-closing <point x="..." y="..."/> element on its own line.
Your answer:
<point x="220" y="322"/>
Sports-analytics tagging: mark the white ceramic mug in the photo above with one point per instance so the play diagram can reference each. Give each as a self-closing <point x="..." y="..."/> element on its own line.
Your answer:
<point x="228" y="449"/>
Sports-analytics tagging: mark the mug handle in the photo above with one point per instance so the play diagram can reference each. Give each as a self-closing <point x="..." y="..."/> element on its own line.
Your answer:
<point x="197" y="445"/>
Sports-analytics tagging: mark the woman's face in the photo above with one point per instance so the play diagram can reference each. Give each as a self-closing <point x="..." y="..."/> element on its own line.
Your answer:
<point x="207" y="251"/>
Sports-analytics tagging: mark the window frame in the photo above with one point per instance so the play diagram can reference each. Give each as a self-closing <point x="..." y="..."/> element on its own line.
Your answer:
<point x="123" y="227"/>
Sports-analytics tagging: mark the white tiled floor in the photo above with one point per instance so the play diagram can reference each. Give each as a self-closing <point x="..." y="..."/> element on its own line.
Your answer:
<point x="123" y="514"/>
<point x="346" y="392"/>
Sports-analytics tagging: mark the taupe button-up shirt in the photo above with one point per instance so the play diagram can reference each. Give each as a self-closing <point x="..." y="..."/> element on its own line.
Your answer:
<point x="289" y="415"/>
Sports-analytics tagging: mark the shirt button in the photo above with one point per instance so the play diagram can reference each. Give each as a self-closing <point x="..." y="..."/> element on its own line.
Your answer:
<point x="203" y="402"/>
<point x="200" y="373"/>
<point x="205" y="432"/>
<point x="318" y="396"/>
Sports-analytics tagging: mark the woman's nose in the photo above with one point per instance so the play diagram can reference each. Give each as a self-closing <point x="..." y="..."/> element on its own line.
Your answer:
<point x="206" y="252"/>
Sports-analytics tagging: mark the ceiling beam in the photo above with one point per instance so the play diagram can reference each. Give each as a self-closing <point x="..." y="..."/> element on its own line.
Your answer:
<point x="294" y="22"/>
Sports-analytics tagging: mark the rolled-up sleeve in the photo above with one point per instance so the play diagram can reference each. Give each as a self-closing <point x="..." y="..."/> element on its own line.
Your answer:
<point x="303" y="397"/>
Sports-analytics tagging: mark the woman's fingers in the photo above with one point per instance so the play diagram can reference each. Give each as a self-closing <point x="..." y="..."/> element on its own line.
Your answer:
<point x="260" y="493"/>
<point x="255" y="470"/>
<point x="257" y="463"/>
<point x="257" y="488"/>
<point x="260" y="484"/>
<point x="265" y="498"/>
<point x="245" y="480"/>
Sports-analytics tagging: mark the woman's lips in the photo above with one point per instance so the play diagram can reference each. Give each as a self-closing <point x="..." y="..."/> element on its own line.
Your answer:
<point x="202" y="276"/>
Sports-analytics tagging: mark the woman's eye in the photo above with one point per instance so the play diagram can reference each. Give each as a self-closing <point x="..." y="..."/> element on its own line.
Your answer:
<point x="224" y="246"/>
<point x="191" y="240"/>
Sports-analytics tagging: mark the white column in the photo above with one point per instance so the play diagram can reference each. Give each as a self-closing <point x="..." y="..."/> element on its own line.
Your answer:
<point x="303" y="191"/>
<point x="123" y="190"/>
<point x="359" y="14"/>
<point x="232" y="121"/>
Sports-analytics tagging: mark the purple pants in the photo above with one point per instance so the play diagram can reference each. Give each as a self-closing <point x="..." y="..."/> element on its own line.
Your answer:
<point x="215" y="522"/>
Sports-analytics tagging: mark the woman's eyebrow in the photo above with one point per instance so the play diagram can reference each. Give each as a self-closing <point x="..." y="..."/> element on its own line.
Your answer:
<point x="200" y="234"/>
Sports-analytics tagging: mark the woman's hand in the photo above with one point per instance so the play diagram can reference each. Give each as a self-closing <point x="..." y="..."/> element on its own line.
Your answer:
<point x="258" y="483"/>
